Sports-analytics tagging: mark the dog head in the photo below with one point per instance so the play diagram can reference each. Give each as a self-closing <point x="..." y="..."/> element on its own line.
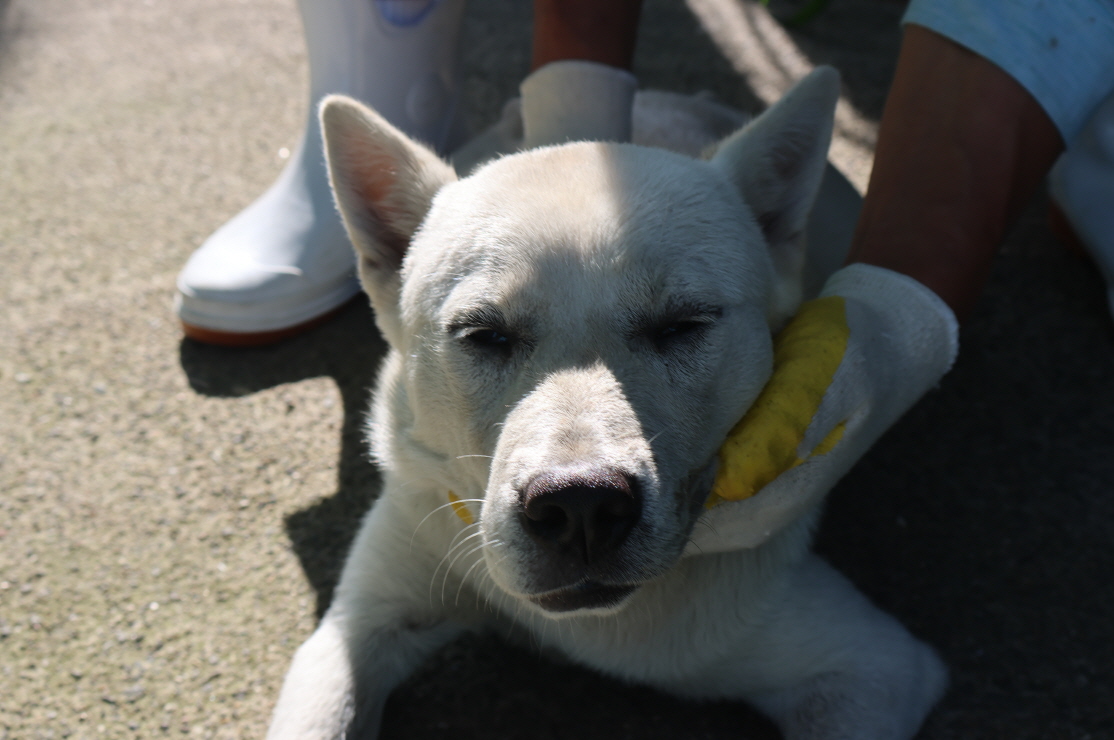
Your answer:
<point x="589" y="320"/>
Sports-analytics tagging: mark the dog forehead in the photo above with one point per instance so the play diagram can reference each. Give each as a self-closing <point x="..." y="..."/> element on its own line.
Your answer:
<point x="616" y="215"/>
<point x="591" y="188"/>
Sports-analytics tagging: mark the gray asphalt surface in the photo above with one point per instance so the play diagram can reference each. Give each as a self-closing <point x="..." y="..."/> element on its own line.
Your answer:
<point x="172" y="516"/>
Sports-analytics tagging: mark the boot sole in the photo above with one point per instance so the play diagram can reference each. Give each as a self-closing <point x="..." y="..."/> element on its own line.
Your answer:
<point x="259" y="338"/>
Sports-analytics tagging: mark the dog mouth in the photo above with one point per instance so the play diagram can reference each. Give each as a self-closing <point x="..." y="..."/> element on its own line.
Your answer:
<point x="583" y="595"/>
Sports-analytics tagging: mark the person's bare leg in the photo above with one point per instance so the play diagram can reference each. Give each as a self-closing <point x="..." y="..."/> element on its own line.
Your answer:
<point x="602" y="31"/>
<point x="961" y="149"/>
<point x="580" y="87"/>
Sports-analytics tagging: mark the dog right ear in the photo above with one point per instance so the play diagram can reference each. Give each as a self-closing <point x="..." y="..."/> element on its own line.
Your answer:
<point x="777" y="162"/>
<point x="384" y="183"/>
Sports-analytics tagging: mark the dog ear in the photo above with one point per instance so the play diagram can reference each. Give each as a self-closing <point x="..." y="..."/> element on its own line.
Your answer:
<point x="384" y="183"/>
<point x="777" y="163"/>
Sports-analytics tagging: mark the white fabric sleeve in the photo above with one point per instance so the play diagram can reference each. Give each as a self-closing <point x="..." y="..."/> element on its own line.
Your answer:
<point x="1061" y="51"/>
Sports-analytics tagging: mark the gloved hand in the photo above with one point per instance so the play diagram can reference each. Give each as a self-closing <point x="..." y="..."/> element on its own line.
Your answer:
<point x="576" y="101"/>
<point x="847" y="366"/>
<point x="563" y="101"/>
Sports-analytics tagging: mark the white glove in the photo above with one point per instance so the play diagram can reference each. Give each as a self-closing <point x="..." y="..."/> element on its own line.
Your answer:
<point x="562" y="101"/>
<point x="576" y="101"/>
<point x="847" y="366"/>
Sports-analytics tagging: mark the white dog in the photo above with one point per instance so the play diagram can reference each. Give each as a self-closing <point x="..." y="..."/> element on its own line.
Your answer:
<point x="573" y="330"/>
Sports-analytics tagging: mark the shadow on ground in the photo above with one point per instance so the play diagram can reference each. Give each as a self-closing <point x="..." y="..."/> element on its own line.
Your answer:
<point x="984" y="518"/>
<point x="322" y="533"/>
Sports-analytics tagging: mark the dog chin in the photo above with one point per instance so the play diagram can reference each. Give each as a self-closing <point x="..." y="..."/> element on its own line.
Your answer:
<point x="584" y="597"/>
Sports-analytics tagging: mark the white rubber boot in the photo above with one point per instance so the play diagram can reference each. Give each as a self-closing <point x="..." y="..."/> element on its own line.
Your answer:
<point x="285" y="260"/>
<point x="1082" y="186"/>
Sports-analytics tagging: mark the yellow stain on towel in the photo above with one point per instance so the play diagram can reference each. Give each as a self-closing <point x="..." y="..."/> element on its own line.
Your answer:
<point x="460" y="509"/>
<point x="764" y="443"/>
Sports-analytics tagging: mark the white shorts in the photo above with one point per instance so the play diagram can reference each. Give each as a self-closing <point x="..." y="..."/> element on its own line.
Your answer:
<point x="1061" y="51"/>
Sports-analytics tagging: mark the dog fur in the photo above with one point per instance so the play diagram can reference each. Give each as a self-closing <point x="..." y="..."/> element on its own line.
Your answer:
<point x="573" y="330"/>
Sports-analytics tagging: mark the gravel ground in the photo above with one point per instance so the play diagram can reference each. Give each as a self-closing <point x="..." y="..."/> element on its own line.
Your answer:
<point x="172" y="516"/>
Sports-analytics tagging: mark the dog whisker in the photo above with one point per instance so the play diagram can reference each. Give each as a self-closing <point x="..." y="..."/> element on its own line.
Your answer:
<point x="709" y="525"/>
<point x="457" y="546"/>
<point x="464" y="578"/>
<point x="493" y="590"/>
<point x="453" y="544"/>
<point x="449" y="569"/>
<point x="456" y="539"/>
<point x="464" y="534"/>
<point x="485" y="578"/>
<point x="426" y="518"/>
<point x="463" y="554"/>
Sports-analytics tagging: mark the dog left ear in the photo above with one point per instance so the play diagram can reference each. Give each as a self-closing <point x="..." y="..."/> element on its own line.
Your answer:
<point x="384" y="183"/>
<point x="777" y="163"/>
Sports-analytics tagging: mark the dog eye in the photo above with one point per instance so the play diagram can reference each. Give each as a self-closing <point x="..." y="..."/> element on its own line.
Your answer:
<point x="488" y="339"/>
<point x="663" y="336"/>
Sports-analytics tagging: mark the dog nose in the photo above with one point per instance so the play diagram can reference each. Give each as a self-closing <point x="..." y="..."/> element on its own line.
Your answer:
<point x="584" y="514"/>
